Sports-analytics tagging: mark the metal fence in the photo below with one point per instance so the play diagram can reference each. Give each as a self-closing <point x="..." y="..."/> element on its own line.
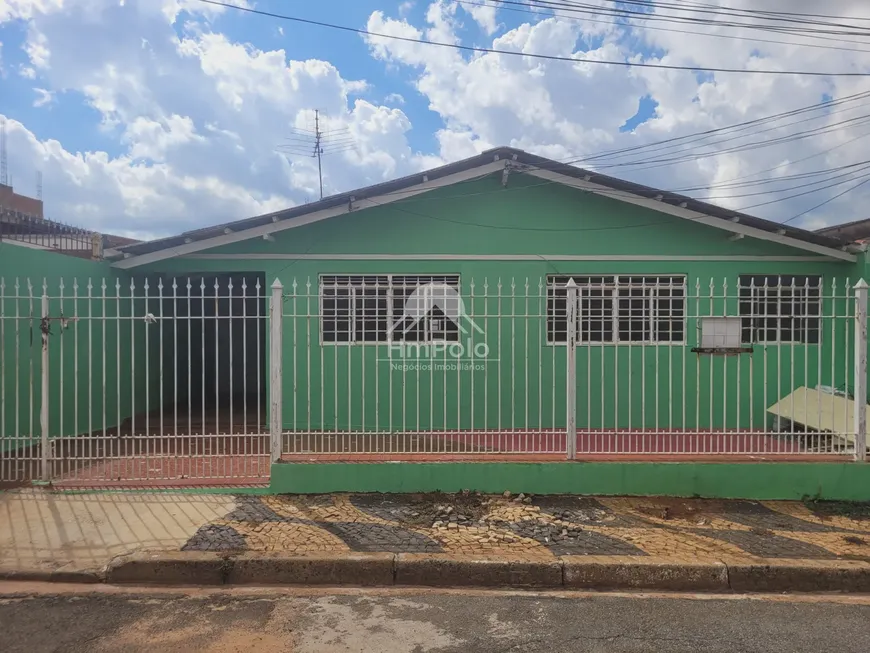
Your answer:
<point x="46" y="234"/>
<point x="120" y="380"/>
<point x="212" y="377"/>
<point x="382" y="366"/>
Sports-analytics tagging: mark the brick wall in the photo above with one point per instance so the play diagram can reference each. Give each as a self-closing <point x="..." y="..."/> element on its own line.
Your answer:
<point x="9" y="199"/>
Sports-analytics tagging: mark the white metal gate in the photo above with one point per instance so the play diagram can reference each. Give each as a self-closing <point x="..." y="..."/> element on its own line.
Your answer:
<point x="117" y="380"/>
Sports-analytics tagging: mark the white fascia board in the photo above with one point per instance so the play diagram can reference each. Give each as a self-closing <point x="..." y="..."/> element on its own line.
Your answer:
<point x="501" y="257"/>
<point x="22" y="243"/>
<point x="317" y="216"/>
<point x="694" y="216"/>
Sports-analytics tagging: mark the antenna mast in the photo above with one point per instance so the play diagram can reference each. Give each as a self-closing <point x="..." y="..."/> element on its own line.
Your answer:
<point x="318" y="136"/>
<point x="4" y="162"/>
<point x="303" y="142"/>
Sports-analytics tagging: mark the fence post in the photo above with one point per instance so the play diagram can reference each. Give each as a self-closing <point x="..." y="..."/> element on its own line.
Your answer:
<point x="276" y="364"/>
<point x="860" y="393"/>
<point x="571" y="385"/>
<point x="44" y="327"/>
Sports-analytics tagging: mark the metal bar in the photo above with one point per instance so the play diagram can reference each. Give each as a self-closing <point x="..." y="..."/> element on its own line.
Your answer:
<point x="149" y="442"/>
<point x="5" y="473"/>
<point x="231" y="347"/>
<point x="860" y="403"/>
<point x="245" y="356"/>
<point x="132" y="360"/>
<point x="571" y="374"/>
<point x="276" y="362"/>
<point x="260" y="319"/>
<point x="217" y="365"/>
<point x="44" y="398"/>
<point x="189" y="323"/>
<point x="104" y="397"/>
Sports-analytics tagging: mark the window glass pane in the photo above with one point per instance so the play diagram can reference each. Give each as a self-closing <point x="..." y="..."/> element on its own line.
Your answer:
<point x="780" y="308"/>
<point x="644" y="309"/>
<point x="336" y="314"/>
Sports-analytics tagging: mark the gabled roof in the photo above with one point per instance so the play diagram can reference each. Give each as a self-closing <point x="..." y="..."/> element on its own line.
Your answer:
<point x="488" y="162"/>
<point x="856" y="231"/>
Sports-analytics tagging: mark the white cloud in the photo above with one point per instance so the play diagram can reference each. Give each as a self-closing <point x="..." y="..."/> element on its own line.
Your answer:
<point x="483" y="13"/>
<point x="199" y="118"/>
<point x="43" y="97"/>
<point x="562" y="110"/>
<point x="405" y="7"/>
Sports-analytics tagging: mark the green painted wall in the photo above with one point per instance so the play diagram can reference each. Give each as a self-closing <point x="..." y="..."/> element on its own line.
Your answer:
<point x="759" y="481"/>
<point x="94" y="369"/>
<point x="617" y="385"/>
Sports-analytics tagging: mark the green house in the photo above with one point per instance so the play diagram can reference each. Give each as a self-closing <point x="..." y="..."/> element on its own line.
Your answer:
<point x="487" y="307"/>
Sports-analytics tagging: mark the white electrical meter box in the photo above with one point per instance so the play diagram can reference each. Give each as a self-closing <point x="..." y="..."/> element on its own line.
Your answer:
<point x="721" y="332"/>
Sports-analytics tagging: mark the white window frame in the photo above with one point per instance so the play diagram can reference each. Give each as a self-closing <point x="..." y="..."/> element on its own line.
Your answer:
<point x="753" y="298"/>
<point x="388" y="283"/>
<point x="614" y="287"/>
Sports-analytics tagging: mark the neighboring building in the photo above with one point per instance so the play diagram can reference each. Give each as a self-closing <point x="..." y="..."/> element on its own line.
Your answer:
<point x="853" y="232"/>
<point x="29" y="231"/>
<point x="12" y="201"/>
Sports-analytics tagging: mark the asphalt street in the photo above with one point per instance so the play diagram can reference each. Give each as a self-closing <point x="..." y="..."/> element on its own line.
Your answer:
<point x="323" y="621"/>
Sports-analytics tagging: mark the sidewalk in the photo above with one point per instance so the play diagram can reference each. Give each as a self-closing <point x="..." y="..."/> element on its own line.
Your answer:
<point x="434" y="539"/>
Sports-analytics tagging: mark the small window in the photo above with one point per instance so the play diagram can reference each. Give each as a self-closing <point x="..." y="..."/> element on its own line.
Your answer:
<point x="614" y="309"/>
<point x="780" y="308"/>
<point x="390" y="308"/>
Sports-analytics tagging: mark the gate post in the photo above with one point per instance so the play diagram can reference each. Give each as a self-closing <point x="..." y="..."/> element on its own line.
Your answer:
<point x="860" y="394"/>
<point x="571" y="385"/>
<point x="276" y="365"/>
<point x="44" y="327"/>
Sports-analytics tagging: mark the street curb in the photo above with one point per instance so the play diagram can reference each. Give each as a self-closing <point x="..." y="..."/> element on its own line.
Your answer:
<point x="169" y="568"/>
<point x="446" y="570"/>
<point x="844" y="576"/>
<point x="639" y="573"/>
<point x="59" y="575"/>
<point x="366" y="569"/>
<point x="435" y="570"/>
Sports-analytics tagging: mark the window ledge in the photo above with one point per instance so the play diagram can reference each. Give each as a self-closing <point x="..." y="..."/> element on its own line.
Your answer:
<point x="722" y="351"/>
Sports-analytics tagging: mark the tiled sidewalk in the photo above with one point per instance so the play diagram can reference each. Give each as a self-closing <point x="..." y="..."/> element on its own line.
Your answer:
<point x="535" y="528"/>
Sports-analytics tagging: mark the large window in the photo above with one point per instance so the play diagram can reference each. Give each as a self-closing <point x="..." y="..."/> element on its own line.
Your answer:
<point x="614" y="309"/>
<point x="390" y="308"/>
<point x="780" y="308"/>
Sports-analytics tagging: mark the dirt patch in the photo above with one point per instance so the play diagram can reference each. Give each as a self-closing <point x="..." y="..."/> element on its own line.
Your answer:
<point x="824" y="509"/>
<point x="688" y="509"/>
<point x="854" y="539"/>
<point x="424" y="509"/>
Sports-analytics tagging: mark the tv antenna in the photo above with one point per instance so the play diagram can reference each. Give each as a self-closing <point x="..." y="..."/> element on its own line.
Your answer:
<point x="318" y="143"/>
<point x="4" y="161"/>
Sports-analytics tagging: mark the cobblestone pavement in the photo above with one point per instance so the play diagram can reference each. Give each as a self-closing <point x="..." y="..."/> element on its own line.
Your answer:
<point x="526" y="527"/>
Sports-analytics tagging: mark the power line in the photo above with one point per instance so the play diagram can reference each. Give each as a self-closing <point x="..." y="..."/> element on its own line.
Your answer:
<point x="547" y="57"/>
<point x="827" y="201"/>
<point x="657" y="29"/>
<point x="582" y="8"/>
<point x="723" y="10"/>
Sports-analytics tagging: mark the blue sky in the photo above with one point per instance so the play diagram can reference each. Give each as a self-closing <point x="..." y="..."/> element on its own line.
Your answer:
<point x="151" y="115"/>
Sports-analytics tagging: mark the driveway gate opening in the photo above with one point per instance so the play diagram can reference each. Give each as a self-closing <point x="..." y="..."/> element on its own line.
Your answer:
<point x="157" y="380"/>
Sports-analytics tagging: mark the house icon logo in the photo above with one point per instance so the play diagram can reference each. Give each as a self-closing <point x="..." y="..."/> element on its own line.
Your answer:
<point x="426" y="301"/>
